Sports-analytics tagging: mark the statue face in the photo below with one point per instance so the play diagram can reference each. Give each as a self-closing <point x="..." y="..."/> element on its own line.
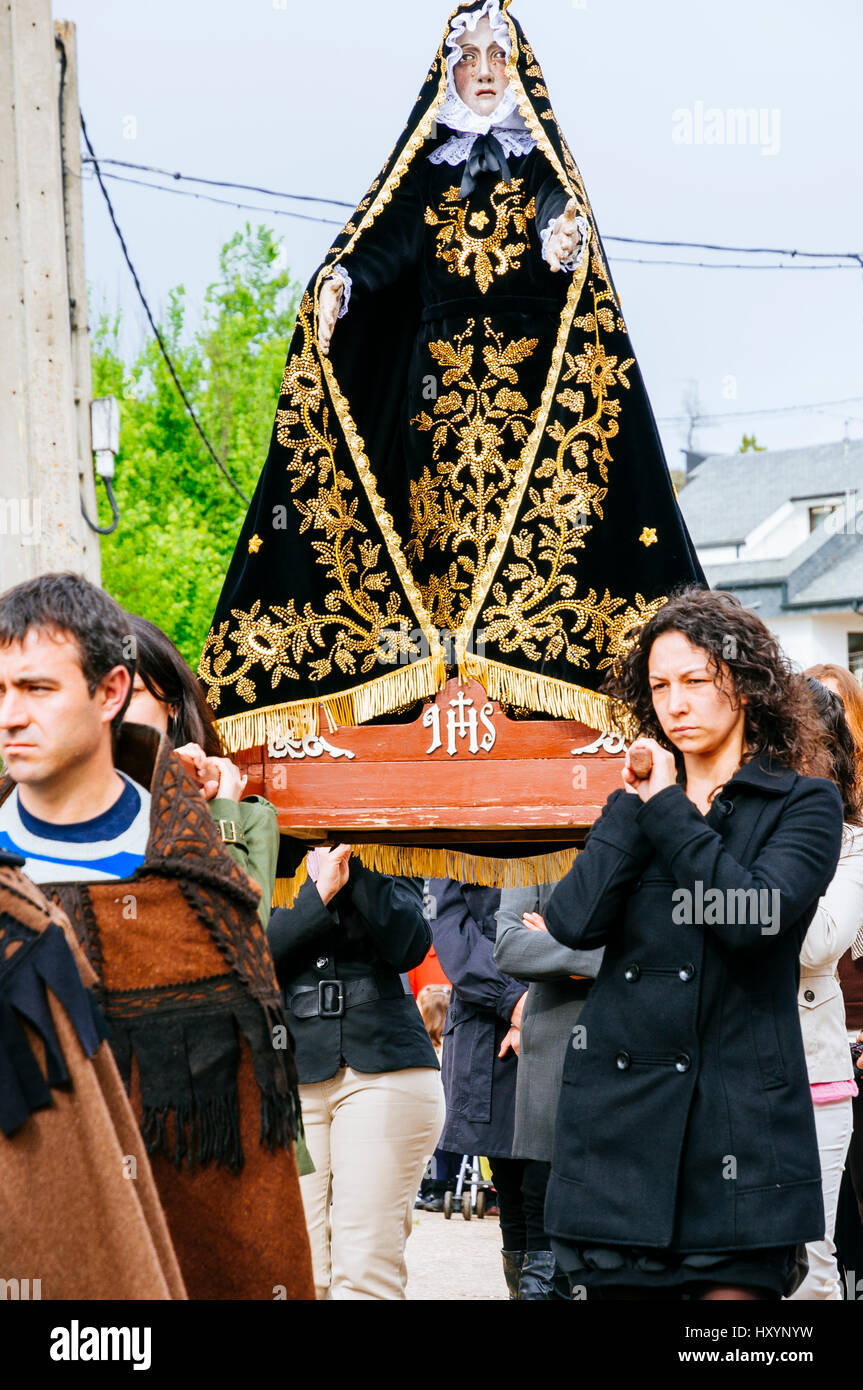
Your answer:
<point x="480" y="75"/>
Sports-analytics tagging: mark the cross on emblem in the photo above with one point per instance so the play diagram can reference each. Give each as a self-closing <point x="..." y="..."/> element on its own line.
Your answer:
<point x="462" y="721"/>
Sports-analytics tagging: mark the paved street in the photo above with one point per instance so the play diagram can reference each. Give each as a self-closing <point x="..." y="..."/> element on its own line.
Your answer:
<point x="454" y="1259"/>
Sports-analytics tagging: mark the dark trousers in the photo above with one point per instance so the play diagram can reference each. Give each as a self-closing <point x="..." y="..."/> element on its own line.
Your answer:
<point x="520" y="1184"/>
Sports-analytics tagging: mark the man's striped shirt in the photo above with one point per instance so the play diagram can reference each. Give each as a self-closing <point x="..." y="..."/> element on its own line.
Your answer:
<point x="109" y="846"/>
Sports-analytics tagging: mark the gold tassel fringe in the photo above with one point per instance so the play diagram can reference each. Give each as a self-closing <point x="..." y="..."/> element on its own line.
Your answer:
<point x="418" y="681"/>
<point x="411" y="862"/>
<point x="285" y="890"/>
<point x="295" y="719"/>
<point x="537" y="692"/>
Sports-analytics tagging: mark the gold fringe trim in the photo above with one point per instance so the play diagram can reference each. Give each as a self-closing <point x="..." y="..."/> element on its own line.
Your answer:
<point x="531" y="871"/>
<point x="285" y="890"/>
<point x="347" y="708"/>
<point x="537" y="692"/>
<point x="482" y="869"/>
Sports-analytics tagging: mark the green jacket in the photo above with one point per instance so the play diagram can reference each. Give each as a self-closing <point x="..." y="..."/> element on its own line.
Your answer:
<point x="250" y="832"/>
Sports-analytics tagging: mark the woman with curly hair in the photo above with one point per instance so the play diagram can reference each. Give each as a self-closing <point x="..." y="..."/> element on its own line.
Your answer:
<point x="685" y="1160"/>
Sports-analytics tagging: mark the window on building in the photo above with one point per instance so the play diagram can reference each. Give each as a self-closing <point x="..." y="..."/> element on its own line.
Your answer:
<point x="817" y="514"/>
<point x="855" y="654"/>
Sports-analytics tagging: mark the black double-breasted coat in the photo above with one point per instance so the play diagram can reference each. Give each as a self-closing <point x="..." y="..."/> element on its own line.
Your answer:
<point x="685" y="1119"/>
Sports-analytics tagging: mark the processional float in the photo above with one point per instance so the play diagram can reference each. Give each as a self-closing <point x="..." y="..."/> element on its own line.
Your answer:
<point x="465" y="513"/>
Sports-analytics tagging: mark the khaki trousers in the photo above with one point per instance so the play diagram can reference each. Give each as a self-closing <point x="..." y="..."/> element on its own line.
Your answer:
<point x="370" y="1136"/>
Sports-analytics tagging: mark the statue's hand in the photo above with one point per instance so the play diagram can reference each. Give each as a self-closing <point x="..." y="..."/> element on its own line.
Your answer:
<point x="562" y="243"/>
<point x="329" y="303"/>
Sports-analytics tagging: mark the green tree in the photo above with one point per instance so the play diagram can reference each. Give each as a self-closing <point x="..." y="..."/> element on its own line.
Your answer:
<point x="179" y="517"/>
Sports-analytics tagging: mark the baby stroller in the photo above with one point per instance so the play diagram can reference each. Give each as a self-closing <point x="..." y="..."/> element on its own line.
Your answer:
<point x="471" y="1190"/>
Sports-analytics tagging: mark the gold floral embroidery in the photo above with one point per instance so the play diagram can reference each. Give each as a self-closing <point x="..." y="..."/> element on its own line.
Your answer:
<point x="492" y="254"/>
<point x="536" y="606"/>
<point x="255" y="544"/>
<point x="459" y="508"/>
<point x="648" y="534"/>
<point x="479" y="220"/>
<point x="281" y="639"/>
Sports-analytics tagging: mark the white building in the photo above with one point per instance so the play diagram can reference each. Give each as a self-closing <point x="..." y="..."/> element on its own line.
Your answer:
<point x="783" y="530"/>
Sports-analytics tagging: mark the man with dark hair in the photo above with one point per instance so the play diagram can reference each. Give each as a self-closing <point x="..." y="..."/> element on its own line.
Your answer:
<point x="117" y="833"/>
<point x="66" y="670"/>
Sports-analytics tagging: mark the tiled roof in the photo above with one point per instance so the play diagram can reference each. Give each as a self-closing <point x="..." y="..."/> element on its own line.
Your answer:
<point x="730" y="494"/>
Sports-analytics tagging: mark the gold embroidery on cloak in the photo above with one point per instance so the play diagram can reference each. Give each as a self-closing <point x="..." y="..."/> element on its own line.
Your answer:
<point x="459" y="508"/>
<point x="353" y="626"/>
<point x="492" y="254"/>
<point x="537" y="609"/>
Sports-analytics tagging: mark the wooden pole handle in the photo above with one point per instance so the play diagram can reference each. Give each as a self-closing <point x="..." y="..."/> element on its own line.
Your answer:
<point x="641" y="763"/>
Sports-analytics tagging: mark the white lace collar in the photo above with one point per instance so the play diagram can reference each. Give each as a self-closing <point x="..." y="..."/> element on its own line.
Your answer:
<point x="458" y="147"/>
<point x="453" y="112"/>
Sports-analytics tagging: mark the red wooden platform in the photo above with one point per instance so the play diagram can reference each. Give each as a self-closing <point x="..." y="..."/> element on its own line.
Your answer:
<point x="461" y="771"/>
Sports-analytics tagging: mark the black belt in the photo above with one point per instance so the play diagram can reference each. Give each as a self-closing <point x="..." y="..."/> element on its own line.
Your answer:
<point x="490" y="304"/>
<point x="330" y="998"/>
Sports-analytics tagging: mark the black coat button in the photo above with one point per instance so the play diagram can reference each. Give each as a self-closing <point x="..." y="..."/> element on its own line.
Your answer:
<point x="686" y="971"/>
<point x="632" y="972"/>
<point x="809" y="995"/>
<point x="623" y="1061"/>
<point x="684" y="1062"/>
<point x="322" y="962"/>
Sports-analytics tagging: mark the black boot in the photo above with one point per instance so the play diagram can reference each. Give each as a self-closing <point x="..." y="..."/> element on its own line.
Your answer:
<point x="434" y="1195"/>
<point x="542" y="1277"/>
<point x="512" y="1262"/>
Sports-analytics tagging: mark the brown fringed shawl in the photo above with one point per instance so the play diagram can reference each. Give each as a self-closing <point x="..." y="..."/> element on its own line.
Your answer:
<point x="187" y="984"/>
<point x="73" y="1224"/>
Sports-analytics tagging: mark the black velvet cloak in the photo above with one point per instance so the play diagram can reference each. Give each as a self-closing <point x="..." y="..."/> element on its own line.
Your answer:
<point x="473" y="477"/>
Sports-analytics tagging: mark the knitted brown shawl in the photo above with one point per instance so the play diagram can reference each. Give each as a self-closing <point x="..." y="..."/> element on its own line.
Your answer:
<point x="187" y="984"/>
<point x="80" y="1217"/>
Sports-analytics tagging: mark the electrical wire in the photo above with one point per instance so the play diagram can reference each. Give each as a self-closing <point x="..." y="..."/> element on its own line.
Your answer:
<point x="226" y="202"/>
<point x="722" y="265"/>
<point x="855" y="256"/>
<point x="770" y="410"/>
<point x="331" y="222"/>
<point x="147" y="310"/>
<point x="223" y="183"/>
<point x="664" y="419"/>
<point x="741" y="250"/>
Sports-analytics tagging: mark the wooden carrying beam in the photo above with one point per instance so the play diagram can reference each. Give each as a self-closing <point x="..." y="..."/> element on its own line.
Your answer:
<point x="463" y="771"/>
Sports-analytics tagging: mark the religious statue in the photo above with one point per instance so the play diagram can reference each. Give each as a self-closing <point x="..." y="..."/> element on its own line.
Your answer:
<point x="464" y="473"/>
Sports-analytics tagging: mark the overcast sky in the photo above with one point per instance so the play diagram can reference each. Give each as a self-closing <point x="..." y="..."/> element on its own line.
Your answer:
<point x="309" y="95"/>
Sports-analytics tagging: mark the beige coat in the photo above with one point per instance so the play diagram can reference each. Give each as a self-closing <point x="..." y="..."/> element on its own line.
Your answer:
<point x="834" y="928"/>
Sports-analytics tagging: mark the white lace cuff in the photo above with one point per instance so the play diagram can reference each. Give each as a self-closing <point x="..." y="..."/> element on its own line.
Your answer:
<point x="347" y="282"/>
<point x="577" y="259"/>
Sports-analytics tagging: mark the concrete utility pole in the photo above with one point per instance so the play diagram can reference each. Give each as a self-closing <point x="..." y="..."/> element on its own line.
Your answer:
<point x="44" y="355"/>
